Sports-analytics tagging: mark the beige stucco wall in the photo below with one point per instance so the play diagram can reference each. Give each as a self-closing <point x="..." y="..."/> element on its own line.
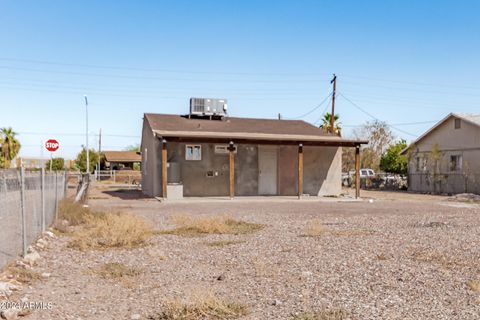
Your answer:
<point x="322" y="169"/>
<point x="151" y="162"/>
<point x="436" y="176"/>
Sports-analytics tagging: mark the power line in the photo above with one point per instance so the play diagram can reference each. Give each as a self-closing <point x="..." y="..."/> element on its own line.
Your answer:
<point x="161" y="70"/>
<point x="410" y="82"/>
<point x="410" y="89"/>
<point x="75" y="134"/>
<point x="105" y="75"/>
<point x="317" y="122"/>
<point x="312" y="110"/>
<point x="375" y="118"/>
<point x="396" y="124"/>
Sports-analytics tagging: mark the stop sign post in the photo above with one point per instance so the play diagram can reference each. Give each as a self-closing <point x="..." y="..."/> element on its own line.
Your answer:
<point x="52" y="145"/>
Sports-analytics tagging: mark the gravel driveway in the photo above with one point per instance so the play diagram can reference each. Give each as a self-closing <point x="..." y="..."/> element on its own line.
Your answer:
<point x="398" y="257"/>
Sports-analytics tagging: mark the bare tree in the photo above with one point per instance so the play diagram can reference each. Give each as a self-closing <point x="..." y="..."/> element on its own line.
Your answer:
<point x="379" y="137"/>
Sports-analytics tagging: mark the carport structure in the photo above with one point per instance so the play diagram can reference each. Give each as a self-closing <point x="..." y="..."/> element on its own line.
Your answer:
<point x="241" y="157"/>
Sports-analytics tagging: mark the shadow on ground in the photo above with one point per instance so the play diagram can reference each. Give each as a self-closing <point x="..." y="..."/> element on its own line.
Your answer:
<point x="126" y="194"/>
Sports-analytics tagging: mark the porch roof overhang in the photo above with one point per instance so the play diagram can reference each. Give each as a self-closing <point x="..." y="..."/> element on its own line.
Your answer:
<point x="257" y="138"/>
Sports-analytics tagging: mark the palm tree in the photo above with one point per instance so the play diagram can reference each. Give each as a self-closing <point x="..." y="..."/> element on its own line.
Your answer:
<point x="327" y="123"/>
<point x="9" y="146"/>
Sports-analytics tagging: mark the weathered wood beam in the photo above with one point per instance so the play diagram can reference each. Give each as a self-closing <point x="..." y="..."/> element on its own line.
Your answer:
<point x="267" y="142"/>
<point x="231" y="149"/>
<point x="357" y="172"/>
<point x="164" y="169"/>
<point x="300" y="170"/>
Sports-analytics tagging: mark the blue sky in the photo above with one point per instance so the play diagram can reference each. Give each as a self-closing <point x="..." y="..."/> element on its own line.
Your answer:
<point x="400" y="61"/>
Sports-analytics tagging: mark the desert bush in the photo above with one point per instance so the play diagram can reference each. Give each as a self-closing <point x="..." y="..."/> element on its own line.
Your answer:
<point x="205" y="306"/>
<point x="111" y="230"/>
<point x="221" y="243"/>
<point x="189" y="226"/>
<point x="74" y="213"/>
<point x="22" y="274"/>
<point x="474" y="285"/>
<point x="314" y="228"/>
<point x="117" y="270"/>
<point x="325" y="314"/>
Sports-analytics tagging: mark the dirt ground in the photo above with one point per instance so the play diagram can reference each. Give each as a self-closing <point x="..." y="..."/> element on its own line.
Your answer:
<point x="388" y="256"/>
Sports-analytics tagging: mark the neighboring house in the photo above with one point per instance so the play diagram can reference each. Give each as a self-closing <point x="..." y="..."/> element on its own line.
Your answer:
<point x="227" y="156"/>
<point x="117" y="160"/>
<point x="446" y="159"/>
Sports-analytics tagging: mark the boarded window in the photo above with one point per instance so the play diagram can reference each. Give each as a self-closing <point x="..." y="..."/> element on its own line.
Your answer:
<point x="458" y="123"/>
<point x="456" y="163"/>
<point x="193" y="152"/>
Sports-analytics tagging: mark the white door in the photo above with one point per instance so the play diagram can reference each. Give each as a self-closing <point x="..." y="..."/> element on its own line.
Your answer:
<point x="267" y="170"/>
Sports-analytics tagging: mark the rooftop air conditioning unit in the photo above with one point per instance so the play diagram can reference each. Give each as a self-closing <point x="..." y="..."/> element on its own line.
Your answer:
<point x="208" y="107"/>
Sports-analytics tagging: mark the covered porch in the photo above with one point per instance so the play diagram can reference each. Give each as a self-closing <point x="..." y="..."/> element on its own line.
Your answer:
<point x="297" y="168"/>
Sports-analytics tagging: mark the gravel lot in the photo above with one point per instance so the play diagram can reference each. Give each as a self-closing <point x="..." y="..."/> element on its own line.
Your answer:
<point x="401" y="256"/>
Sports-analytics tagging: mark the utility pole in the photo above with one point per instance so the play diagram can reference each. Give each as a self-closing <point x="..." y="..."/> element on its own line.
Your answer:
<point x="86" y="134"/>
<point x="332" y="120"/>
<point x="99" y="151"/>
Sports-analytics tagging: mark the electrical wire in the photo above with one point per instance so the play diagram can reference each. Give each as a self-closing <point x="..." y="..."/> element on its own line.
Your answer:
<point x="312" y="110"/>
<point x="161" y="70"/>
<point x="397" y="124"/>
<point x="375" y="118"/>
<point x="116" y="76"/>
<point x="76" y="134"/>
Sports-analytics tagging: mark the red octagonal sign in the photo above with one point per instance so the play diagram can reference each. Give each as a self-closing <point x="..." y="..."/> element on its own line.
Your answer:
<point x="52" y="145"/>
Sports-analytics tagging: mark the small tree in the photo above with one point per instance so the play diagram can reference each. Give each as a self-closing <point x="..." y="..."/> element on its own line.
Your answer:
<point x="57" y="164"/>
<point x="81" y="161"/>
<point x="9" y="146"/>
<point x="379" y="137"/>
<point x="326" y="125"/>
<point x="393" y="161"/>
<point x="133" y="147"/>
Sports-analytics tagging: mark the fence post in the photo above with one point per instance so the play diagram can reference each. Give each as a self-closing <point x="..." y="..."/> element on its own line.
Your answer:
<point x="65" y="183"/>
<point x="22" y="204"/>
<point x="42" y="191"/>
<point x="56" y="195"/>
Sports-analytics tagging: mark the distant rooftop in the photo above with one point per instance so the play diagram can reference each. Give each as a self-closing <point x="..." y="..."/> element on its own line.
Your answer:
<point x="122" y="156"/>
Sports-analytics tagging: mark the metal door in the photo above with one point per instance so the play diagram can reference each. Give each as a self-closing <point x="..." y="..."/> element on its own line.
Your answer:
<point x="267" y="170"/>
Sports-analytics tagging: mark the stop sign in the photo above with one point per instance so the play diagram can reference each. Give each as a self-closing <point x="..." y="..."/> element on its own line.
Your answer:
<point x="52" y="145"/>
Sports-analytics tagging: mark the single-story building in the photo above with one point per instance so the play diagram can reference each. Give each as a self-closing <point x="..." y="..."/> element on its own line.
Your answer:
<point x="446" y="158"/>
<point x="228" y="156"/>
<point x="117" y="160"/>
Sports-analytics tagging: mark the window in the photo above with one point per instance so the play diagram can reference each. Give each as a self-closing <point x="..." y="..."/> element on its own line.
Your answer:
<point x="456" y="163"/>
<point x="421" y="164"/>
<point x="458" y="123"/>
<point x="193" y="152"/>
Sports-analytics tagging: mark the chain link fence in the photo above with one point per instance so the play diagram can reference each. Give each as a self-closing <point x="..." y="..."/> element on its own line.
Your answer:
<point x="28" y="206"/>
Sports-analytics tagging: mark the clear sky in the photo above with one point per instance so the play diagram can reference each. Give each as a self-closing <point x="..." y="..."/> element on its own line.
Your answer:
<point x="400" y="61"/>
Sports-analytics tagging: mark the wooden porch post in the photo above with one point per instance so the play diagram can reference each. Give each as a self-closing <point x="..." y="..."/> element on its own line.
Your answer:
<point x="300" y="170"/>
<point x="357" y="171"/>
<point x="164" y="169"/>
<point x="231" y="149"/>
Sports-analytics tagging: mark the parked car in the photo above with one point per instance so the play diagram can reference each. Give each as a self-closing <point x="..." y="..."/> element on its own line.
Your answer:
<point x="348" y="178"/>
